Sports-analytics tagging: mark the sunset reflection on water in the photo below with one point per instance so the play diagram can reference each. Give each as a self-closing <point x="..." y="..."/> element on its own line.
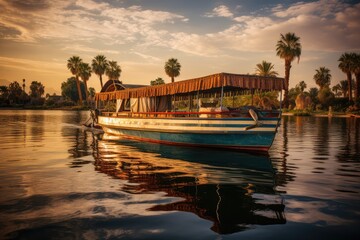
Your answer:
<point x="60" y="180"/>
<point x="232" y="189"/>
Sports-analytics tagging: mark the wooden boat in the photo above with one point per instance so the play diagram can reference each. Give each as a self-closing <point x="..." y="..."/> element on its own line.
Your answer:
<point x="153" y="114"/>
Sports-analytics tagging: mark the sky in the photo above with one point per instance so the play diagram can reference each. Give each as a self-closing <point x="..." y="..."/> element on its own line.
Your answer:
<point x="37" y="37"/>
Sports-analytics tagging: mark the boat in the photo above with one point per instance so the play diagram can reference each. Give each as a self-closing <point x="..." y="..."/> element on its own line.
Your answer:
<point x="156" y="113"/>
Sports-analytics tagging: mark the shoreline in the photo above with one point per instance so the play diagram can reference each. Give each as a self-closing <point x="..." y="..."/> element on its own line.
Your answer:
<point x="51" y="109"/>
<point x="344" y="115"/>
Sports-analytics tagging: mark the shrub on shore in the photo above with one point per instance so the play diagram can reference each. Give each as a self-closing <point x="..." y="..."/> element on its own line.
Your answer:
<point x="304" y="112"/>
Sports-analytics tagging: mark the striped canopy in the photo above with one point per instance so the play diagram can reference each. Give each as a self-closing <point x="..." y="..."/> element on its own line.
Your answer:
<point x="215" y="81"/>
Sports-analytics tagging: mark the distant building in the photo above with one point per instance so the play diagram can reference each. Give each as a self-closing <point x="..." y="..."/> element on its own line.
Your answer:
<point x="54" y="98"/>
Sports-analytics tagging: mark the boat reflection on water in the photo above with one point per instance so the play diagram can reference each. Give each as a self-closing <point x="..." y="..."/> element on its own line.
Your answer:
<point x="234" y="190"/>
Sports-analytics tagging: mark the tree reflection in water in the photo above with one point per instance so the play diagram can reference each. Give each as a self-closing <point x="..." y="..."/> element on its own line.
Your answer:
<point x="233" y="190"/>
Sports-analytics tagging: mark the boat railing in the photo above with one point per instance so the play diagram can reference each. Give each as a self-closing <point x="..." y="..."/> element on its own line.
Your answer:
<point x="186" y="114"/>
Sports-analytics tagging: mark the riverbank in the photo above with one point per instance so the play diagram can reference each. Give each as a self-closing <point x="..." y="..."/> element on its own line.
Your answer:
<point x="340" y="115"/>
<point x="65" y="108"/>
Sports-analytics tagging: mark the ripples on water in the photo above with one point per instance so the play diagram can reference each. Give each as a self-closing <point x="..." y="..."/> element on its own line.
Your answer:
<point x="59" y="181"/>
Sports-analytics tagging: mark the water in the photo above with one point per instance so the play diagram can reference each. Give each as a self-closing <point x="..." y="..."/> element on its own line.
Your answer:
<point x="59" y="181"/>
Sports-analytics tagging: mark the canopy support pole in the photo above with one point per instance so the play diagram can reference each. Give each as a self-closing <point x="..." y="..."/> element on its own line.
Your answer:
<point x="198" y="101"/>
<point x="222" y="96"/>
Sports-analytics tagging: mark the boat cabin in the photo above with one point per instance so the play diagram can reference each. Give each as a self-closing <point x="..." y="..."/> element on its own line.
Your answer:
<point x="210" y="96"/>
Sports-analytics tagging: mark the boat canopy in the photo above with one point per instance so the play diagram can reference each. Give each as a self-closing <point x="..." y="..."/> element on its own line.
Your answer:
<point x="215" y="81"/>
<point x="110" y="85"/>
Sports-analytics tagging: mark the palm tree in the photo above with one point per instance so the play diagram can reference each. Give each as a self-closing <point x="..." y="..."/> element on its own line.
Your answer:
<point x="313" y="93"/>
<point x="85" y="74"/>
<point x="113" y="72"/>
<point x="172" y="68"/>
<point x="344" y="87"/>
<point x="356" y="71"/>
<point x="337" y="89"/>
<point x="73" y="65"/>
<point x="322" y="77"/>
<point x="99" y="65"/>
<point x="37" y="89"/>
<point x="15" y="92"/>
<point x="265" y="69"/>
<point x="301" y="85"/>
<point x="346" y="65"/>
<point x="157" y="81"/>
<point x="288" y="48"/>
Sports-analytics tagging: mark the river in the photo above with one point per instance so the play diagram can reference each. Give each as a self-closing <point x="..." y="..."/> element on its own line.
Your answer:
<point x="61" y="181"/>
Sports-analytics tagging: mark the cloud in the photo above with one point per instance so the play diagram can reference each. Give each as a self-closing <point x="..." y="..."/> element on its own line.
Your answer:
<point x="330" y="28"/>
<point x="329" y="25"/>
<point x="30" y="65"/>
<point x="82" y="48"/>
<point x="29" y="5"/>
<point x="326" y="25"/>
<point x="350" y="17"/>
<point x="83" y="20"/>
<point x="322" y="8"/>
<point x="147" y="57"/>
<point x="91" y="5"/>
<point x="196" y="44"/>
<point x="220" y="11"/>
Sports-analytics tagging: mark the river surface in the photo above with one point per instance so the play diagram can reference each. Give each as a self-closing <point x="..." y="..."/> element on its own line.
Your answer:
<point x="60" y="181"/>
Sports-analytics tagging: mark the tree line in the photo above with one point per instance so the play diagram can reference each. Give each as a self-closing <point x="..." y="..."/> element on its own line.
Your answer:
<point x="340" y="96"/>
<point x="100" y="66"/>
<point x="288" y="48"/>
<point x="15" y="94"/>
<point x="74" y="90"/>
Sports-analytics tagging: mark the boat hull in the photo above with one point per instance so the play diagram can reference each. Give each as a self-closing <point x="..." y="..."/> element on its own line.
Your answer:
<point x="241" y="133"/>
